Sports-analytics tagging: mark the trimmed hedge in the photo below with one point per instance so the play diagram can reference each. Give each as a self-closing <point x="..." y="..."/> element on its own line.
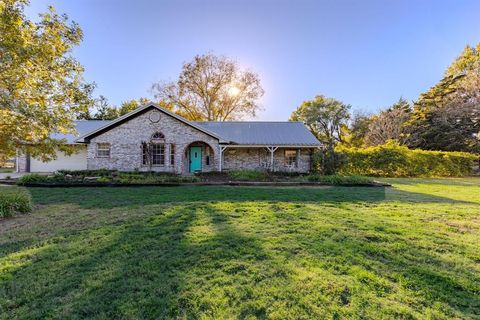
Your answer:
<point x="394" y="160"/>
<point x="14" y="200"/>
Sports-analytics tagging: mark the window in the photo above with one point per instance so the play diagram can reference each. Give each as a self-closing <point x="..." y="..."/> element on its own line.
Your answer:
<point x="172" y="154"/>
<point x="291" y="157"/>
<point x="155" y="152"/>
<point x="158" y="136"/>
<point x="158" y="154"/>
<point x="103" y="150"/>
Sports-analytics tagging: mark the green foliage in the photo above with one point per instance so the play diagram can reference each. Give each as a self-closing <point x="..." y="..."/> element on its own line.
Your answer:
<point x="34" y="178"/>
<point x="14" y="200"/>
<point x="327" y="161"/>
<point x="153" y="178"/>
<point x="77" y="177"/>
<point x="393" y="160"/>
<point x="88" y="173"/>
<point x="325" y="117"/>
<point x="447" y="117"/>
<point x="105" y="111"/>
<point x="249" y="175"/>
<point x="42" y="88"/>
<point x="339" y="180"/>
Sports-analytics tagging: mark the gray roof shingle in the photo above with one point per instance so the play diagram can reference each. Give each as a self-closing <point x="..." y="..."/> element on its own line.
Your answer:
<point x="262" y="133"/>
<point x="82" y="127"/>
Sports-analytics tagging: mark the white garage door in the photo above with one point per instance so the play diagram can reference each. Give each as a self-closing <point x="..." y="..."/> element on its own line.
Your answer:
<point x="77" y="161"/>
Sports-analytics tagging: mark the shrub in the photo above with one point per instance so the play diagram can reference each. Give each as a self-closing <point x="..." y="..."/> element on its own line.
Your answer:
<point x="37" y="178"/>
<point x="327" y="161"/>
<point x="153" y="178"/>
<point x="88" y="173"/>
<point x="394" y="160"/>
<point x="14" y="200"/>
<point x="248" y="175"/>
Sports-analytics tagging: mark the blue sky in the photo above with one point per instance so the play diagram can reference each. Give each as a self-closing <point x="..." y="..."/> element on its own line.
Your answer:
<point x="365" y="53"/>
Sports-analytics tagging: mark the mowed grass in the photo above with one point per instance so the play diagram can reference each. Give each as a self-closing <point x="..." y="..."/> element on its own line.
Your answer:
<point x="408" y="252"/>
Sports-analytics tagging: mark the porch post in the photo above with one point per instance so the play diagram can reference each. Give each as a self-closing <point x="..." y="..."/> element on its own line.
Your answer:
<point x="222" y="148"/>
<point x="272" y="151"/>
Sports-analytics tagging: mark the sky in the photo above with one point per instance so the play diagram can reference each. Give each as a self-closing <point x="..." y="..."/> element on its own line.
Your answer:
<point x="366" y="53"/>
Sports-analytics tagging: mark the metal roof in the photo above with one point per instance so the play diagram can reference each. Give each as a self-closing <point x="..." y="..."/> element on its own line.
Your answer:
<point x="82" y="127"/>
<point x="262" y="133"/>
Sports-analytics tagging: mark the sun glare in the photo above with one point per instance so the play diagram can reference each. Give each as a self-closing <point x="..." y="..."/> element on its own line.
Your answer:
<point x="233" y="91"/>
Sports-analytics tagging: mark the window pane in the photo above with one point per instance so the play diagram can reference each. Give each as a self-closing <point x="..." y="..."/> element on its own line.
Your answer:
<point x="158" y="154"/>
<point x="103" y="149"/>
<point x="172" y="154"/>
<point x="291" y="157"/>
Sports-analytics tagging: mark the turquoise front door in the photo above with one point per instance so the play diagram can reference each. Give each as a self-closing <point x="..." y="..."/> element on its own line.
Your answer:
<point x="195" y="159"/>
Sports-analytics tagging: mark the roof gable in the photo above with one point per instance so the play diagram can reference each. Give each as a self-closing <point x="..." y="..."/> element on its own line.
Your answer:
<point x="84" y="138"/>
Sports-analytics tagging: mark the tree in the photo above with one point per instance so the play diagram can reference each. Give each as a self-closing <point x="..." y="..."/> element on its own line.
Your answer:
<point x="358" y="129"/>
<point x="388" y="124"/>
<point x="446" y="116"/>
<point x="327" y="119"/>
<point x="42" y="89"/>
<point x="105" y="111"/>
<point x="212" y="88"/>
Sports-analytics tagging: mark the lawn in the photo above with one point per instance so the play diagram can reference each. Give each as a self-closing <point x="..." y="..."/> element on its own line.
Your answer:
<point x="408" y="252"/>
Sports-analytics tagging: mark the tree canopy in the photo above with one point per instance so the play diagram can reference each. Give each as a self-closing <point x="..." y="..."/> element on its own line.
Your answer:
<point x="212" y="88"/>
<point x="325" y="117"/>
<point x="42" y="89"/>
<point x="447" y="117"/>
<point x="104" y="111"/>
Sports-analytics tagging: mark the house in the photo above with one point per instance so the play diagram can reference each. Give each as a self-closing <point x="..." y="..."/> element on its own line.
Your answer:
<point x="151" y="138"/>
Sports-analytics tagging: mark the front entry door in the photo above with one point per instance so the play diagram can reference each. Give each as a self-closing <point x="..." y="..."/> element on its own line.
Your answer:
<point x="195" y="159"/>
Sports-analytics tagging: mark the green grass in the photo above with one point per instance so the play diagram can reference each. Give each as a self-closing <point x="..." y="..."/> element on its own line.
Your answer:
<point x="409" y="252"/>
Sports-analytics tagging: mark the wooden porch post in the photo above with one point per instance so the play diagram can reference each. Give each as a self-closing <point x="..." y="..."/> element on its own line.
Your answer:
<point x="222" y="148"/>
<point x="272" y="151"/>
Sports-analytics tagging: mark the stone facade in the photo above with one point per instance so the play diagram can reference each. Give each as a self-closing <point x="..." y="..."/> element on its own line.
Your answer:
<point x="260" y="159"/>
<point x="125" y="142"/>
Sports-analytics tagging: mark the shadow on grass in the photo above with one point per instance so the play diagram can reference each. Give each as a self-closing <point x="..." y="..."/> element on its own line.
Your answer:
<point x="152" y="269"/>
<point x="193" y="261"/>
<point x="138" y="196"/>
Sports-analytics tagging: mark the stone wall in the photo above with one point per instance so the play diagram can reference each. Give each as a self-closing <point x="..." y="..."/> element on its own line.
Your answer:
<point x="126" y="140"/>
<point x="259" y="159"/>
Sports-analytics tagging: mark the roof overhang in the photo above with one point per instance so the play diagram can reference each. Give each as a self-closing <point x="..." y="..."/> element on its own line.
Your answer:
<point x="293" y="146"/>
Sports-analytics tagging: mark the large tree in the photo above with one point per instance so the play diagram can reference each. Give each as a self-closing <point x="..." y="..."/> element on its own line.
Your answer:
<point x="212" y="88"/>
<point x="325" y="117"/>
<point x="388" y="124"/>
<point x="42" y="89"/>
<point x="447" y="116"/>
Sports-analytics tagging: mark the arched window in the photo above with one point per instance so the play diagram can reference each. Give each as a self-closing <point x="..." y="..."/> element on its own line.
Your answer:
<point x="158" y="136"/>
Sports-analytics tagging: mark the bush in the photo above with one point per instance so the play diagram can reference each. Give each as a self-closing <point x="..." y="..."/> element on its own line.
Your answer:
<point x="327" y="161"/>
<point x="14" y="200"/>
<point x="37" y="178"/>
<point x="88" y="173"/>
<point x="248" y="175"/>
<point x="393" y="160"/>
<point x="153" y="178"/>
